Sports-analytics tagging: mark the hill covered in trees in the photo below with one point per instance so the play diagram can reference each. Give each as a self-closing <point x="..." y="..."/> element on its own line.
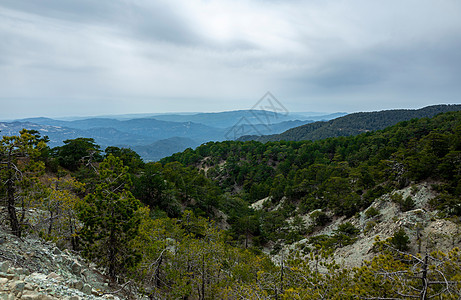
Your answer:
<point x="343" y="174"/>
<point x="216" y="222"/>
<point x="353" y="124"/>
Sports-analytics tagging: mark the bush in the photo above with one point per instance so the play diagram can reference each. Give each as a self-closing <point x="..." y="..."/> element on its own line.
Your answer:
<point x="369" y="226"/>
<point x="400" y="240"/>
<point x="347" y="229"/>
<point x="404" y="204"/>
<point x="345" y="234"/>
<point x="408" y="204"/>
<point x="320" y="218"/>
<point x="372" y="212"/>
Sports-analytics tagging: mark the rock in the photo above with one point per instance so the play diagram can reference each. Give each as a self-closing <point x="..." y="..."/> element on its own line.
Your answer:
<point x="17" y="286"/>
<point x="31" y="295"/>
<point x="54" y="276"/>
<point x="4" y="266"/>
<point x="3" y="281"/>
<point x="86" y="275"/>
<point x="79" y="285"/>
<point x="74" y="298"/>
<point x="86" y="289"/>
<point x="56" y="251"/>
<point x="39" y="276"/>
<point x="10" y="276"/>
<point x="18" y="271"/>
<point x="3" y="296"/>
<point x="76" y="268"/>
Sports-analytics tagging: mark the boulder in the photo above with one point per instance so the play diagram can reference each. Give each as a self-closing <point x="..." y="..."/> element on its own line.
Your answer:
<point x="76" y="268"/>
<point x="79" y="285"/>
<point x="31" y="295"/>
<point x="87" y="289"/>
<point x="4" y="266"/>
<point x="53" y="275"/>
<point x="17" y="286"/>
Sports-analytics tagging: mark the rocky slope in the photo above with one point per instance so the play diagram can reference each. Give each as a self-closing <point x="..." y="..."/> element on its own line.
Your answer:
<point x="32" y="269"/>
<point x="425" y="228"/>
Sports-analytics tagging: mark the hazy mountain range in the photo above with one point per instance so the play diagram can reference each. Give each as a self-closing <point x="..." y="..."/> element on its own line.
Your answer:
<point x="157" y="136"/>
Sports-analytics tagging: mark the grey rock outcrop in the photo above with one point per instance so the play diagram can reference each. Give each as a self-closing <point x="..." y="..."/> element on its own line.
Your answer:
<point x="32" y="269"/>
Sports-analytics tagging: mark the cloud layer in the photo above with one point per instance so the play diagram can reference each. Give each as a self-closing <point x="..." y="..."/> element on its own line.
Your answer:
<point x="118" y="56"/>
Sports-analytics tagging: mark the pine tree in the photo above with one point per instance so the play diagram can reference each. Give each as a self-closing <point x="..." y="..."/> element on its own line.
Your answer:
<point x="19" y="165"/>
<point x="110" y="219"/>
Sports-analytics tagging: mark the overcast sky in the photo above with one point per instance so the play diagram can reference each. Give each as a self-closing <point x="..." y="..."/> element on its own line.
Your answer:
<point x="92" y="57"/>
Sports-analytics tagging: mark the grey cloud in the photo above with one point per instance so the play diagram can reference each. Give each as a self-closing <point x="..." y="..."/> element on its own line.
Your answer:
<point x="423" y="63"/>
<point x="160" y="23"/>
<point x="82" y="10"/>
<point x="348" y="73"/>
<point x="151" y="20"/>
<point x="139" y="53"/>
<point x="60" y="68"/>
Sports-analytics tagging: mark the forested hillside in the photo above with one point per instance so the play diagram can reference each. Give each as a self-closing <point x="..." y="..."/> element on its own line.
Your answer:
<point x="216" y="222"/>
<point x="343" y="174"/>
<point x="353" y="124"/>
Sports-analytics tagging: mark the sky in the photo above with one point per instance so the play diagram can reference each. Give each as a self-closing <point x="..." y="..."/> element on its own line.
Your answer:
<point x="88" y="57"/>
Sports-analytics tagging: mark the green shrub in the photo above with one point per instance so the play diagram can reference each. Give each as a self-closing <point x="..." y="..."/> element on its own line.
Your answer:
<point x="320" y="218"/>
<point x="400" y="240"/>
<point x="372" y="212"/>
<point x="369" y="226"/>
<point x="404" y="204"/>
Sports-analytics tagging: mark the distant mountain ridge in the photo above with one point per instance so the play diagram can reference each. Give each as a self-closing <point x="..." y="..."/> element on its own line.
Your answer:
<point x="57" y="134"/>
<point x="230" y="118"/>
<point x="161" y="135"/>
<point x="353" y="124"/>
<point x="221" y="120"/>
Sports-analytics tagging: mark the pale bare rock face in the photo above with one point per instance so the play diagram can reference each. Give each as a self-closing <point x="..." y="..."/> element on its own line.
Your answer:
<point x="427" y="232"/>
<point x="32" y="269"/>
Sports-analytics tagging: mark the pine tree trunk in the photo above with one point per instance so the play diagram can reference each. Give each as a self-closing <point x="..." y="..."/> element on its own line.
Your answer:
<point x="11" y="201"/>
<point x="424" y="279"/>
<point x="111" y="255"/>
